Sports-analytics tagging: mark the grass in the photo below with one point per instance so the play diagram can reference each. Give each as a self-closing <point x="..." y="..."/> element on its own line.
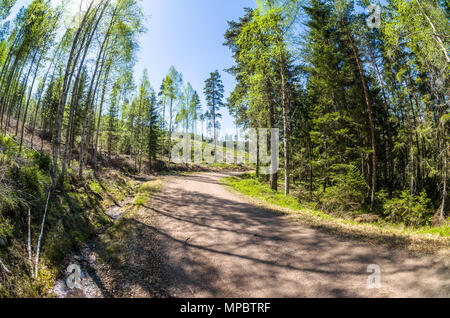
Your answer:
<point x="76" y="213"/>
<point x="430" y="240"/>
<point x="145" y="191"/>
<point x="113" y="240"/>
<point x="256" y="189"/>
<point x="226" y="166"/>
<point x="128" y="252"/>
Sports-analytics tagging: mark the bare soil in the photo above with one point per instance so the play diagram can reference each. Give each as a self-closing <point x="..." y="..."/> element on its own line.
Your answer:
<point x="196" y="239"/>
<point x="215" y="244"/>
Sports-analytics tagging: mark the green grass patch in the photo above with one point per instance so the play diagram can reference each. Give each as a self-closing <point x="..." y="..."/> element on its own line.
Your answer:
<point x="145" y="191"/>
<point x="425" y="239"/>
<point x="76" y="212"/>
<point x="247" y="185"/>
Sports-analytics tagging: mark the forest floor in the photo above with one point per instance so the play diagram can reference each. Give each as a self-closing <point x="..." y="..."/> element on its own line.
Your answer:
<point x="194" y="238"/>
<point x="122" y="262"/>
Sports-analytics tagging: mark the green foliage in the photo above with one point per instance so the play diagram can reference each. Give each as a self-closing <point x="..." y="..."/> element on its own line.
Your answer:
<point x="6" y="228"/>
<point x="144" y="192"/>
<point x="214" y="93"/>
<point x="413" y="210"/>
<point x="347" y="194"/>
<point x="32" y="178"/>
<point x="96" y="187"/>
<point x="43" y="161"/>
<point x="248" y="185"/>
<point x="6" y="142"/>
<point x="5" y="8"/>
<point x="9" y="200"/>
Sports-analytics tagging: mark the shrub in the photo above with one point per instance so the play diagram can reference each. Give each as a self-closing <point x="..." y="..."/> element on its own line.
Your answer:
<point x="9" y="200"/>
<point x="150" y="187"/>
<point x="410" y="209"/>
<point x="96" y="187"/>
<point x="347" y="194"/>
<point x="43" y="161"/>
<point x="5" y="229"/>
<point x="31" y="178"/>
<point x="7" y="142"/>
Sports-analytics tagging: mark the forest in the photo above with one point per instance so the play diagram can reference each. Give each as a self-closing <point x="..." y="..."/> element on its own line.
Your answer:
<point x="360" y="95"/>
<point x="363" y="111"/>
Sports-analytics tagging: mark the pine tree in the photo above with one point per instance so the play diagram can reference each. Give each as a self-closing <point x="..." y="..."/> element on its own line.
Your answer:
<point x="214" y="96"/>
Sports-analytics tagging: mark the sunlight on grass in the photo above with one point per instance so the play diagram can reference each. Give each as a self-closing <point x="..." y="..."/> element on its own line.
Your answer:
<point x="145" y="190"/>
<point x="247" y="185"/>
<point x="255" y="189"/>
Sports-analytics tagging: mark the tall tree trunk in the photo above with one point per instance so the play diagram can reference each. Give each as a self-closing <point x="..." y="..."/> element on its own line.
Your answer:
<point x="76" y="87"/>
<point x="99" y="119"/>
<point x="286" y="123"/>
<point x="170" y="130"/>
<point x="388" y="122"/>
<point x="70" y="68"/>
<point x="273" y="176"/>
<point x="28" y="102"/>
<point x="101" y="60"/>
<point x="371" y="121"/>
<point x="41" y="92"/>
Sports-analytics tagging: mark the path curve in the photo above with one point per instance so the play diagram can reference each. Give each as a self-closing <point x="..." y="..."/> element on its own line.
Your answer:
<point x="215" y="244"/>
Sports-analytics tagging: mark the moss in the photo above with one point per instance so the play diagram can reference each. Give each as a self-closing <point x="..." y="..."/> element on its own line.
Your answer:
<point x="140" y="200"/>
<point x="73" y="217"/>
<point x="144" y="192"/>
<point x="96" y="187"/>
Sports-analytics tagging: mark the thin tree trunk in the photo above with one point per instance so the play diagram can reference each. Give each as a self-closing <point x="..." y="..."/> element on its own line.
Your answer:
<point x="73" y="59"/>
<point x="8" y="95"/>
<point x="100" y="116"/>
<point x="170" y="131"/>
<point x="30" y="260"/>
<point x="92" y="93"/>
<point x="273" y="176"/>
<point x="286" y="125"/>
<point x="38" y="248"/>
<point x="388" y="122"/>
<point x="435" y="33"/>
<point x="28" y="102"/>
<point x="371" y="121"/>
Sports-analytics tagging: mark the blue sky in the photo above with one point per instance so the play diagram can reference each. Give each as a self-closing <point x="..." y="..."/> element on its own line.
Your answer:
<point x="187" y="34"/>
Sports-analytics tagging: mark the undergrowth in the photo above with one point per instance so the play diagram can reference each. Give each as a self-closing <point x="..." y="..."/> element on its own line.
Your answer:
<point x="76" y="213"/>
<point x="397" y="210"/>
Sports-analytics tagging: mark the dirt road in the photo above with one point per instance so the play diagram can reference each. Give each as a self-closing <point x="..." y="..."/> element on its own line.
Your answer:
<point x="214" y="244"/>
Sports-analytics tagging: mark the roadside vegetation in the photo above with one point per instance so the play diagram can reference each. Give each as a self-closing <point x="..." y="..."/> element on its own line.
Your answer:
<point x="363" y="115"/>
<point x="75" y="213"/>
<point x="354" y="222"/>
